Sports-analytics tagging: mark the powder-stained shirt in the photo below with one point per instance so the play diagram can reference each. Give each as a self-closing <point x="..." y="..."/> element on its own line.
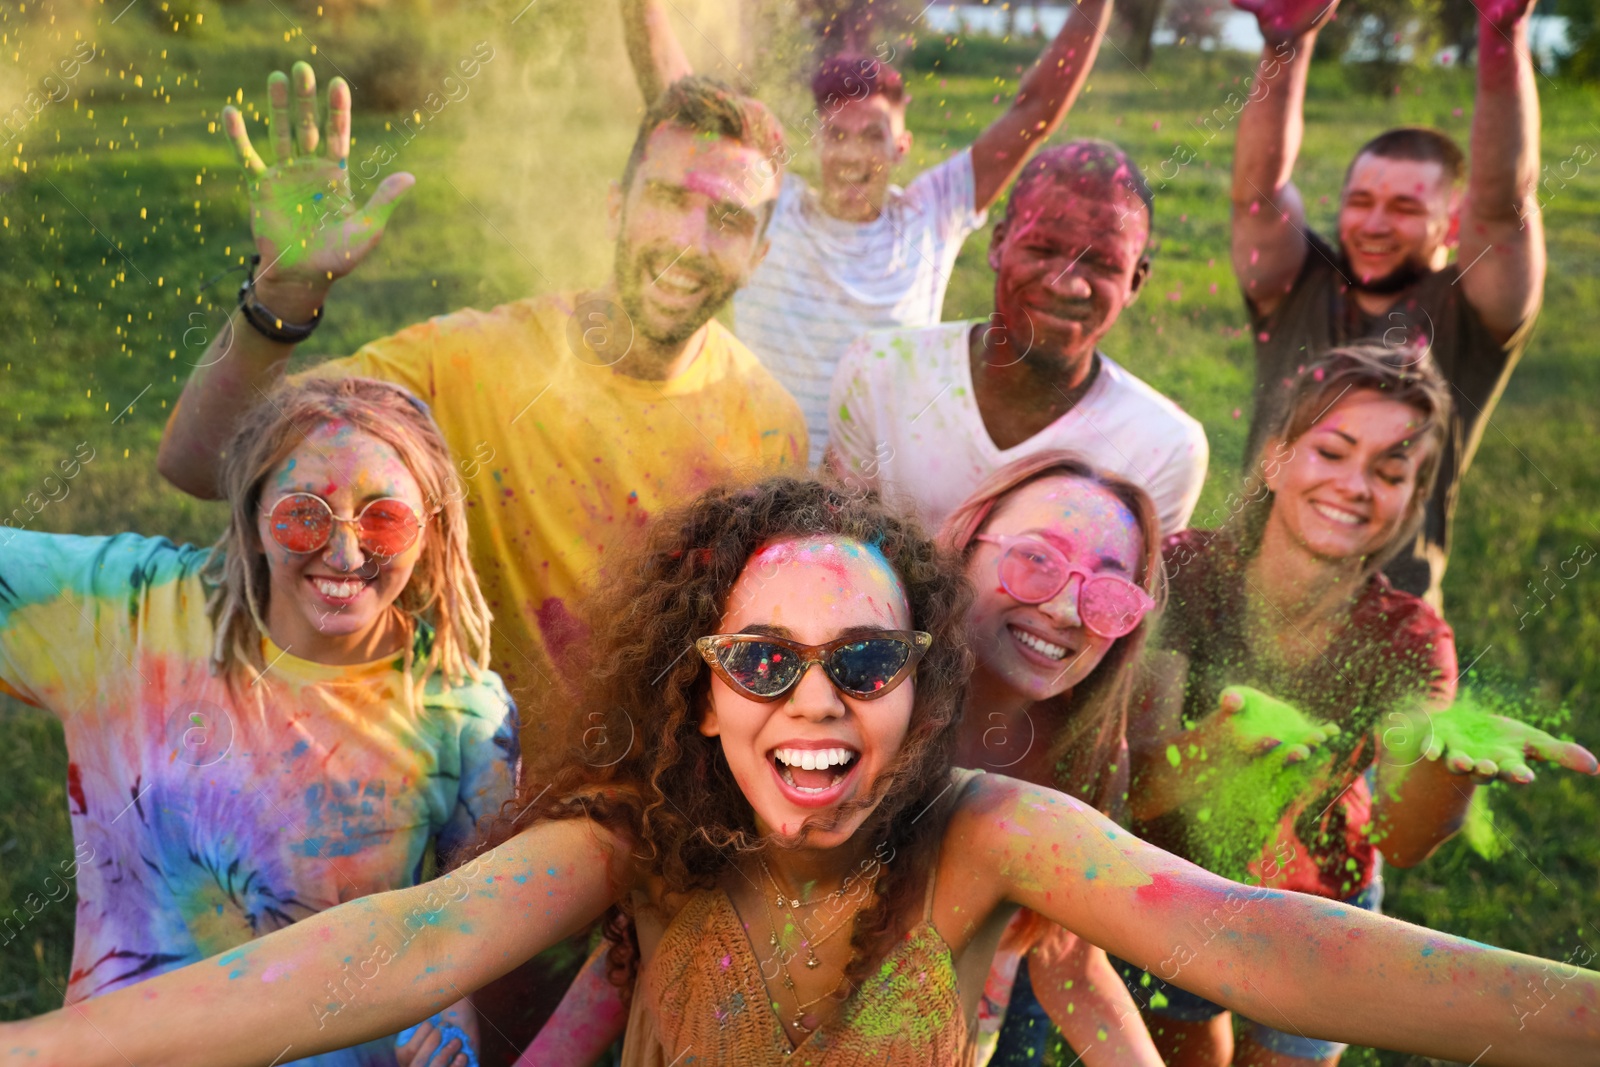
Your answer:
<point x="905" y="420"/>
<point x="561" y="458"/>
<point x="826" y="281"/>
<point x="1394" y="648"/>
<point x="1319" y="313"/>
<point x="206" y="814"/>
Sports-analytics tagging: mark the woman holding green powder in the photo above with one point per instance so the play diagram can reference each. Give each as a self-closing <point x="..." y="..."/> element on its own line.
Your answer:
<point x="755" y="775"/>
<point x="1287" y="667"/>
<point x="295" y="718"/>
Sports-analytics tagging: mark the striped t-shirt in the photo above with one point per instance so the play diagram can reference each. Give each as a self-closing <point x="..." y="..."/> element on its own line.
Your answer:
<point x="826" y="281"/>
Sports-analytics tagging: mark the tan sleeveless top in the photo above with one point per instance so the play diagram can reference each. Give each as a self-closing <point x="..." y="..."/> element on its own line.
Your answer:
<point x="701" y="1001"/>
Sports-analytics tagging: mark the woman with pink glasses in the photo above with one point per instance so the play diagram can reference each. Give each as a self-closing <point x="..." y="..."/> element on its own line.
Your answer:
<point x="295" y="718"/>
<point x="1065" y="561"/>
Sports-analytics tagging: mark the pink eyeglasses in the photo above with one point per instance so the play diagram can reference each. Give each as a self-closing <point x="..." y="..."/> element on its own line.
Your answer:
<point x="1033" y="571"/>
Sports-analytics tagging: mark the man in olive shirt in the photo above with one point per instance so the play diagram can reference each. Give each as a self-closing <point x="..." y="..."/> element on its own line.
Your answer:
<point x="1388" y="277"/>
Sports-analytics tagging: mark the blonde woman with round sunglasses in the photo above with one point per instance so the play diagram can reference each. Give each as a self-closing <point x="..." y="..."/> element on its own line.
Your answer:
<point x="293" y="719"/>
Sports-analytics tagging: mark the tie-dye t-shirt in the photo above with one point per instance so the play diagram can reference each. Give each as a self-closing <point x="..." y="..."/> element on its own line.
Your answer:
<point x="204" y="816"/>
<point x="561" y="458"/>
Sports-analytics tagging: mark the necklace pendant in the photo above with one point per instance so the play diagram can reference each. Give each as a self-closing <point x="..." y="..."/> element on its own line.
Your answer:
<point x="772" y="939"/>
<point x="794" y="904"/>
<point x="813" y="963"/>
<point x="788" y="982"/>
<point x="799" y="1024"/>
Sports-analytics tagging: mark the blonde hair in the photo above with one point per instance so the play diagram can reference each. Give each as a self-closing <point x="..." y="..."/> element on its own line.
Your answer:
<point x="443" y="589"/>
<point x="1090" y="737"/>
<point x="1406" y="375"/>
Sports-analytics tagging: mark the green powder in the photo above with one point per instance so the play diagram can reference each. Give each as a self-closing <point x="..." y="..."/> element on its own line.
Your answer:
<point x="1242" y="798"/>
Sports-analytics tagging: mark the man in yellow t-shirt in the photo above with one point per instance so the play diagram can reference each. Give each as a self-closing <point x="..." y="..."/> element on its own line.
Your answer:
<point x="573" y="416"/>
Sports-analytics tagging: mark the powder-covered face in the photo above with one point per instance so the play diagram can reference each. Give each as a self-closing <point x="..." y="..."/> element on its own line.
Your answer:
<point x="330" y="605"/>
<point x="1346" y="487"/>
<point x="1067" y="260"/>
<point x="689" y="230"/>
<point x="812" y="590"/>
<point x="858" y="145"/>
<point x="1043" y="650"/>
<point x="1394" y="217"/>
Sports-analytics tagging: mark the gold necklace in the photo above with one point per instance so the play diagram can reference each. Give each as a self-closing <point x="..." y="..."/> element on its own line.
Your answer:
<point x="812" y="962"/>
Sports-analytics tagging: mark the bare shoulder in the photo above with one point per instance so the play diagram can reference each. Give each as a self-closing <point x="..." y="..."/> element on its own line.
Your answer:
<point x="993" y="808"/>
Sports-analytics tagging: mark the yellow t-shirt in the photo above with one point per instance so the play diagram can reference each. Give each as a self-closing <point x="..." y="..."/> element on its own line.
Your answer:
<point x="560" y="457"/>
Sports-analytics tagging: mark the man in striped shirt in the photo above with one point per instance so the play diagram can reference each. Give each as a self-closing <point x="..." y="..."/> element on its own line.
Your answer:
<point x="859" y="253"/>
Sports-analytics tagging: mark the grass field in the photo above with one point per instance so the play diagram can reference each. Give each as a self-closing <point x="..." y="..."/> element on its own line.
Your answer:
<point x="118" y="205"/>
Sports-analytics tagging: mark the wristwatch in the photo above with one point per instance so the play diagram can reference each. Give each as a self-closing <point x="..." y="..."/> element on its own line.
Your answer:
<point x="268" y="323"/>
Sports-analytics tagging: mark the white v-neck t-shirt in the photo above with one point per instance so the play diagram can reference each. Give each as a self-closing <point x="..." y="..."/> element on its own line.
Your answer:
<point x="825" y="281"/>
<point x="904" y="420"/>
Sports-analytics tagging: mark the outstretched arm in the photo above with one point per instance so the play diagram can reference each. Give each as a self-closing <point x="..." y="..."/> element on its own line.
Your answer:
<point x="1043" y="99"/>
<point x="653" y="48"/>
<point x="1291" y="960"/>
<point x="309" y="232"/>
<point x="362" y="970"/>
<point x="1502" y="229"/>
<point x="1430" y="761"/>
<point x="1269" y="218"/>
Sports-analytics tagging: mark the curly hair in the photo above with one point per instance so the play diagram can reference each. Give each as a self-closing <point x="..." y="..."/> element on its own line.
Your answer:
<point x="1092" y="731"/>
<point x="443" y="590"/>
<point x="669" y="791"/>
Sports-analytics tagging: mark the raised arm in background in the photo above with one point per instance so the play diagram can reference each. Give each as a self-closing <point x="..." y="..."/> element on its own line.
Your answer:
<point x="1043" y="98"/>
<point x="309" y="232"/>
<point x="1502" y="252"/>
<point x="1045" y="94"/>
<point x="653" y="47"/>
<point x="1269" y="217"/>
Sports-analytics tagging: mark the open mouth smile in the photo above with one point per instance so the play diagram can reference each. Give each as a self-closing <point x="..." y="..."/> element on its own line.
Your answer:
<point x="814" y="777"/>
<point x="339" y="592"/>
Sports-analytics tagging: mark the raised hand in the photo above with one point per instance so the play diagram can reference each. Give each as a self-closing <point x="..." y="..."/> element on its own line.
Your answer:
<point x="1472" y="741"/>
<point x="1503" y="14"/>
<point x="306" y="225"/>
<point x="1284" y="20"/>
<point x="1251" y="723"/>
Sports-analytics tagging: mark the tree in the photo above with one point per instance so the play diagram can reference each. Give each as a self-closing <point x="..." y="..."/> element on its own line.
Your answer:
<point x="1137" y="19"/>
<point x="1381" y="39"/>
<point x="1583" y="33"/>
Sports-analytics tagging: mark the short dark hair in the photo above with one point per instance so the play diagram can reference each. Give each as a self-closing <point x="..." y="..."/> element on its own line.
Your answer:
<point x="1085" y="163"/>
<point x="1420" y="144"/>
<point x="706" y="105"/>
<point x="856" y="76"/>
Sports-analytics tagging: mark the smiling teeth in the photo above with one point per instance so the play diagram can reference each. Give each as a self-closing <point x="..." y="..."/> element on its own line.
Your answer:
<point x="678" y="281"/>
<point x="813" y="759"/>
<point x="341" y="590"/>
<point x="1039" y="644"/>
<point x="1344" y="518"/>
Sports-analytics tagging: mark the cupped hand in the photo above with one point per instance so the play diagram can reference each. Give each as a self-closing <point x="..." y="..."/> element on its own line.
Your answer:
<point x="1253" y="724"/>
<point x="305" y="222"/>
<point x="1284" y="20"/>
<point x="1470" y="741"/>
<point x="434" y="1042"/>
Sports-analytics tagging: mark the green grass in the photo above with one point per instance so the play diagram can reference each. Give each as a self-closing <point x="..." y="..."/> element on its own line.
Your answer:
<point x="105" y="306"/>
